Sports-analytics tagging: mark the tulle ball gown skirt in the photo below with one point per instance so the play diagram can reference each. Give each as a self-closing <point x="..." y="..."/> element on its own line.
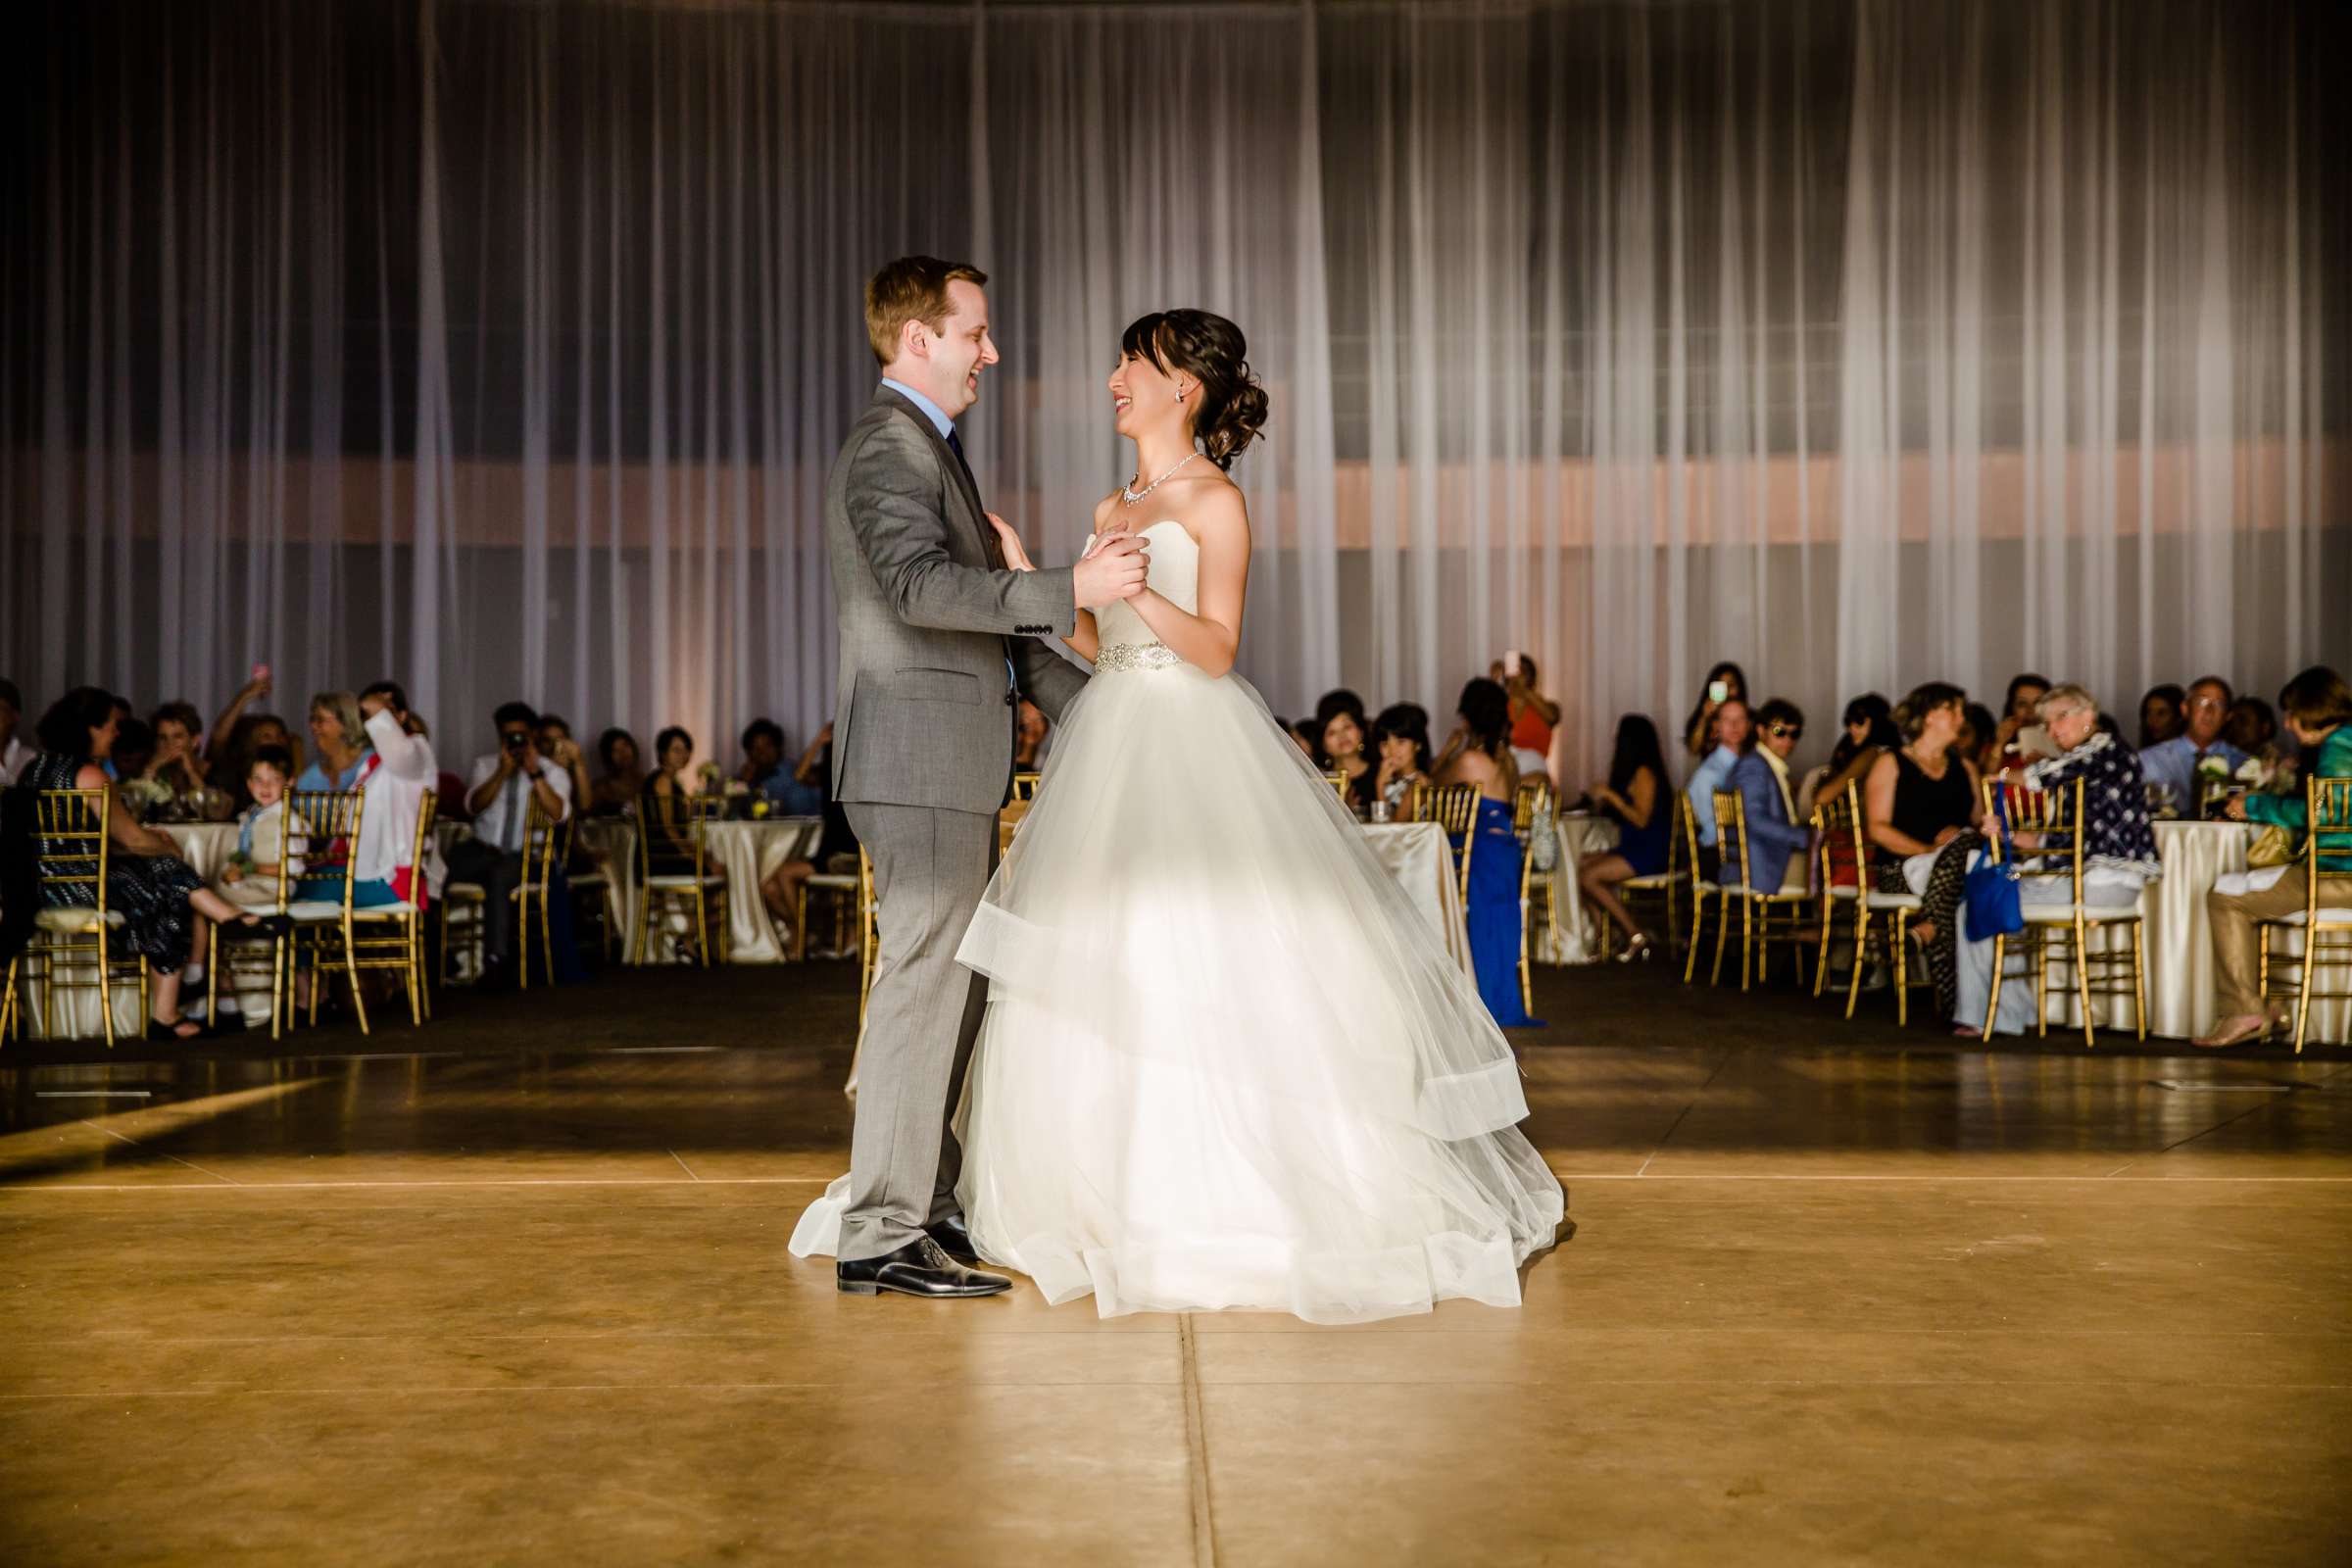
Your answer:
<point x="1226" y="1061"/>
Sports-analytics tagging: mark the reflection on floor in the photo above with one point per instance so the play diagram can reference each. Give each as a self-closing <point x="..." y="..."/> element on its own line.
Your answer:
<point x="514" y="1287"/>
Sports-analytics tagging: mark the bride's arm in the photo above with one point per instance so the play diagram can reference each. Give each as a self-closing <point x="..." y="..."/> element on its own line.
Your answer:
<point x="1211" y="639"/>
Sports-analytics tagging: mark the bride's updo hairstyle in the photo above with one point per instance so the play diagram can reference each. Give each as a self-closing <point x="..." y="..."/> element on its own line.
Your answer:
<point x="1230" y="406"/>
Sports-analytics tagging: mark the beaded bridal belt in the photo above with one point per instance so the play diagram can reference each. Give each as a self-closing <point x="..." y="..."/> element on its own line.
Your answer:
<point x="1116" y="658"/>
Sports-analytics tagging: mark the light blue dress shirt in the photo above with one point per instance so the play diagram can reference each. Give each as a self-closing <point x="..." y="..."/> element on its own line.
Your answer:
<point x="1709" y="776"/>
<point x="2175" y="763"/>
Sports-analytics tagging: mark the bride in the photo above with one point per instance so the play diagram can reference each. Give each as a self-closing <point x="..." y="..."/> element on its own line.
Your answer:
<point x="1226" y="1061"/>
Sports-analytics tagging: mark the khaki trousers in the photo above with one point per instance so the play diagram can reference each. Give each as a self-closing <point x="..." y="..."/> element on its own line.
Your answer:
<point x="2237" y="958"/>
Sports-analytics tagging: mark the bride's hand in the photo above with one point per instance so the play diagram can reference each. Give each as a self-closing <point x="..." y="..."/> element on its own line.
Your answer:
<point x="1016" y="554"/>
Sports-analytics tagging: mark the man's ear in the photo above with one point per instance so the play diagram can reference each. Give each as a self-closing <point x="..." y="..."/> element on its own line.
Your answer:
<point x="914" y="341"/>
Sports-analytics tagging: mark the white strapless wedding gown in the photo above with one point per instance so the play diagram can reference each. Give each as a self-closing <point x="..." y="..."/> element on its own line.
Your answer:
<point x="1226" y="1062"/>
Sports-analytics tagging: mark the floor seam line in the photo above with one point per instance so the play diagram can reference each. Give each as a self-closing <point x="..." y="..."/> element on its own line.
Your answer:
<point x="682" y="1166"/>
<point x="166" y="1153"/>
<point x="1196" y="1447"/>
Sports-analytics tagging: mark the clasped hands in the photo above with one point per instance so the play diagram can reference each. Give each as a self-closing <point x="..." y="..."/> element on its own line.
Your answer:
<point x="1114" y="568"/>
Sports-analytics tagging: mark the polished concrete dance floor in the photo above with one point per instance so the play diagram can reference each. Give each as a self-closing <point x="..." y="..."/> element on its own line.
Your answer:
<point x="513" y="1289"/>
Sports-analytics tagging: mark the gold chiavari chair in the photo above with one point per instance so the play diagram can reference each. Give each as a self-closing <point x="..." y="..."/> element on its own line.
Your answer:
<point x="8" y="1003"/>
<point x="1841" y="863"/>
<point x="545" y="844"/>
<point x="1338" y="784"/>
<point x="329" y="823"/>
<point x="1454" y="807"/>
<point x="1024" y="786"/>
<point x="2327" y="928"/>
<point x="1702" y="891"/>
<point x="691" y="891"/>
<point x="1758" y="907"/>
<point x="1417" y="798"/>
<point x="2061" y="929"/>
<point x="1532" y="812"/>
<point x="232" y="946"/>
<point x="1682" y="848"/>
<point x="72" y="944"/>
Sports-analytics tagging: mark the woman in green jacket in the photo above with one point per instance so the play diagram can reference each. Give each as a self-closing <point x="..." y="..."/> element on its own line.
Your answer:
<point x="2317" y="706"/>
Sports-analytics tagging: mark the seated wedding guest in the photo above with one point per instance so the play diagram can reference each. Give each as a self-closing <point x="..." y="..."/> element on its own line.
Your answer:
<point x="1919" y="811"/>
<point x="2252" y="727"/>
<point x="1480" y="754"/>
<point x="338" y="744"/>
<point x="1978" y="735"/>
<point x="2174" y="765"/>
<point x="405" y="768"/>
<point x="661" y="812"/>
<point x="505" y="784"/>
<point x="177" y="762"/>
<point x="1778" y="841"/>
<point x="2016" y="739"/>
<point x="153" y="890"/>
<point x="557" y="747"/>
<point x="1638" y="798"/>
<point x="1533" y="716"/>
<point x="2318" y="705"/>
<point x="2119" y="848"/>
<point x="264" y="846"/>
<point x="1032" y="738"/>
<point x="2162" y="715"/>
<point x="780" y="891"/>
<point x="1869" y="729"/>
<point x="230" y="761"/>
<point x="763" y="753"/>
<point x="800" y="790"/>
<point x="1306" y="732"/>
<point x="1342" y="750"/>
<point x="623" y="776"/>
<point x="13" y="752"/>
<point x="1400" y="734"/>
<point x="1726" y="683"/>
<point x="119" y="706"/>
<point x="1340" y="701"/>
<point x="133" y="751"/>
<point x="1732" y="734"/>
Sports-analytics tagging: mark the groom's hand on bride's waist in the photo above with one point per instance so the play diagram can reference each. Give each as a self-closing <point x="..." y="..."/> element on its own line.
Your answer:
<point x="1116" y="571"/>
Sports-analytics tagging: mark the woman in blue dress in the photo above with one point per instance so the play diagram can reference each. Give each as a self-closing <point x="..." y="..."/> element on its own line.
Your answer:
<point x="1636" y="799"/>
<point x="1480" y="754"/>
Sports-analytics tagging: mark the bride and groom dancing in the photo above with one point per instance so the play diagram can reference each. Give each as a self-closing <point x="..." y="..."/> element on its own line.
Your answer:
<point x="1216" y="1057"/>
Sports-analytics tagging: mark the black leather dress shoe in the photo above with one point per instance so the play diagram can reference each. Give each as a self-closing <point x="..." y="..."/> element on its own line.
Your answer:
<point x="954" y="1239"/>
<point x="919" y="1268"/>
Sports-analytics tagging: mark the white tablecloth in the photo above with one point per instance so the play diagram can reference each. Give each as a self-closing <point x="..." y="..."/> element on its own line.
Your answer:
<point x="1575" y="935"/>
<point x="1418" y="857"/>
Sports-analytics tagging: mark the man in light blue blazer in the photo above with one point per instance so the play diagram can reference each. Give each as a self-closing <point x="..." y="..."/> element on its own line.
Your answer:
<point x="1777" y="842"/>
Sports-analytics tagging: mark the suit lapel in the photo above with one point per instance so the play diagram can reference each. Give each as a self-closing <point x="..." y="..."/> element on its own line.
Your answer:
<point x="960" y="480"/>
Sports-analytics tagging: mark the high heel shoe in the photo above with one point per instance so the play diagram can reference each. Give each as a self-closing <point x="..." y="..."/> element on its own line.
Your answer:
<point x="2248" y="1028"/>
<point x="1637" y="948"/>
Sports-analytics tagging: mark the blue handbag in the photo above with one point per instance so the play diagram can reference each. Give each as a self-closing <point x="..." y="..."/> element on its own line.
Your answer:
<point x="1989" y="894"/>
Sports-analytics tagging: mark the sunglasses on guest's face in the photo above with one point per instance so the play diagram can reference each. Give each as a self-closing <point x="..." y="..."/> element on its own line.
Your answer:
<point x="1795" y="732"/>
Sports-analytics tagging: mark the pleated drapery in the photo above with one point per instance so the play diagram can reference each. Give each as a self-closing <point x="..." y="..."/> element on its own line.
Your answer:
<point x="501" y="348"/>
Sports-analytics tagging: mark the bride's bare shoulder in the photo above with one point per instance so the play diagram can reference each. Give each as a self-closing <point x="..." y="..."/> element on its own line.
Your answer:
<point x="1212" y="508"/>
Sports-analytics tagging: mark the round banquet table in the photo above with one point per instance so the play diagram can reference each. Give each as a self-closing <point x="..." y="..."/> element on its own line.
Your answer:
<point x="1574" y="936"/>
<point x="1418" y="857"/>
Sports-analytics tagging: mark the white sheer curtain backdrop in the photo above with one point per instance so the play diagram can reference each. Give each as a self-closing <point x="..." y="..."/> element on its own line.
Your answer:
<point x="501" y="347"/>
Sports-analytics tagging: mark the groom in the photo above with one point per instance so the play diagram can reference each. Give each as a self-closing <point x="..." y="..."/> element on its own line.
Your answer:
<point x="939" y="643"/>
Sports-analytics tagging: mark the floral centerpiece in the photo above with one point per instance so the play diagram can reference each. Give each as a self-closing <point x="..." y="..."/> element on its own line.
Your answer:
<point x="148" y="799"/>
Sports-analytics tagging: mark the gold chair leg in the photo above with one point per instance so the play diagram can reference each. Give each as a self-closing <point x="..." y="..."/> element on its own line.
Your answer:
<point x="105" y="996"/>
<point x="277" y="982"/>
<point x="1723" y="926"/>
<point x="1992" y="1003"/>
<point x="1853" y="978"/>
<point x="1699" y="914"/>
<point x="2311" y="961"/>
<point x="212" y="978"/>
<point x="351" y="972"/>
<point x="701" y="927"/>
<point x="2082" y="979"/>
<point x="1903" y="969"/>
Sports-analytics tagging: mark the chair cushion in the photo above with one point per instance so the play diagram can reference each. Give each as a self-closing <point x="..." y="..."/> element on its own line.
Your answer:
<point x="832" y="879"/>
<point x="683" y="882"/>
<point x="1897" y="901"/>
<point x="385" y="912"/>
<point x="2064" y="913"/>
<point x="462" y="893"/>
<point x="1769" y="897"/>
<point x="69" y="920"/>
<point x="1660" y="879"/>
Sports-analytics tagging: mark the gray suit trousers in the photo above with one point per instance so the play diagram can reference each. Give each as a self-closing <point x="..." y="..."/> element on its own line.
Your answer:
<point x="930" y="868"/>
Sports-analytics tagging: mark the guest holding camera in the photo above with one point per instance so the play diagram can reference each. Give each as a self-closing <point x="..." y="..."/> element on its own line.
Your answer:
<point x="1400" y="734"/>
<point x="507" y="783"/>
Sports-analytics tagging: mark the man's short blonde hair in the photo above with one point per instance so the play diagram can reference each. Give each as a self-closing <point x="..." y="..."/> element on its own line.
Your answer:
<point x="913" y="288"/>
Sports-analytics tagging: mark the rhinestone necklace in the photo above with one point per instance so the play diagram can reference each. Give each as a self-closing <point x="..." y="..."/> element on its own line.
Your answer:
<point x="1132" y="496"/>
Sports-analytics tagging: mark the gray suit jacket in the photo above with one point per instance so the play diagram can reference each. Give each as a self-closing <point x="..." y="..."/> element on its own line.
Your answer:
<point x="929" y="616"/>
